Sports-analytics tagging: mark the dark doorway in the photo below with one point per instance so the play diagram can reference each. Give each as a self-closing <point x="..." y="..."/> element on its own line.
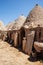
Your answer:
<point x="37" y="35"/>
<point x="22" y="32"/>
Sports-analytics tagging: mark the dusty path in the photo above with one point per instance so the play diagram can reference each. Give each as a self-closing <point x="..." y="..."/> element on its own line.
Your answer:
<point x="12" y="56"/>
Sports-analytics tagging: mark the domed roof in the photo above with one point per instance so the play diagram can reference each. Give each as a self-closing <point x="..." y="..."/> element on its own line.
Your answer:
<point x="36" y="16"/>
<point x="16" y="24"/>
<point x="9" y="25"/>
<point x="2" y="26"/>
<point x="19" y="22"/>
<point x="1" y="23"/>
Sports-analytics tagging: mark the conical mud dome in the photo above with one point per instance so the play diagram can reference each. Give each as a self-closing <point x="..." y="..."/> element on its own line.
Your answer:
<point x="36" y="16"/>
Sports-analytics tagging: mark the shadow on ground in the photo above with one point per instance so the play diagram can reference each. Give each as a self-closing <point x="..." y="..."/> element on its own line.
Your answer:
<point x="31" y="59"/>
<point x="38" y="58"/>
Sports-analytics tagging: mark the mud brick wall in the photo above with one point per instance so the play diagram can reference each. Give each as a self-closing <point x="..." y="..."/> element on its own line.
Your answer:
<point x="30" y="39"/>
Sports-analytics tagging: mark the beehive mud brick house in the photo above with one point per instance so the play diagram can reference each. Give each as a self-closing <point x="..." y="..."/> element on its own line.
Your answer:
<point x="25" y="31"/>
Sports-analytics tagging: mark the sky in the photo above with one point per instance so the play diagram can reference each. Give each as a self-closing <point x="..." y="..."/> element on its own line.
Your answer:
<point x="12" y="9"/>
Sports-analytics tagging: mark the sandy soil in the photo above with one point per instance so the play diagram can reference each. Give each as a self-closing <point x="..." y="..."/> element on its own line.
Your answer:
<point x="12" y="56"/>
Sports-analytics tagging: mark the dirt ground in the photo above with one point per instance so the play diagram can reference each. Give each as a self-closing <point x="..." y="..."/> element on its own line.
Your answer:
<point x="12" y="56"/>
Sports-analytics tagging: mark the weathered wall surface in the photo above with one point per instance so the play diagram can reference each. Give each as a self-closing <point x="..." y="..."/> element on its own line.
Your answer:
<point x="30" y="39"/>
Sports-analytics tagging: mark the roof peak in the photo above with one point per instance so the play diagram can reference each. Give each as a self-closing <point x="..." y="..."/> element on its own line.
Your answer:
<point x="36" y="4"/>
<point x="21" y="16"/>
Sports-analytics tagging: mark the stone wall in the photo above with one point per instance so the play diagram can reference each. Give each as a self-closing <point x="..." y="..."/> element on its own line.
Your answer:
<point x="29" y="44"/>
<point x="41" y="34"/>
<point x="15" y="38"/>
